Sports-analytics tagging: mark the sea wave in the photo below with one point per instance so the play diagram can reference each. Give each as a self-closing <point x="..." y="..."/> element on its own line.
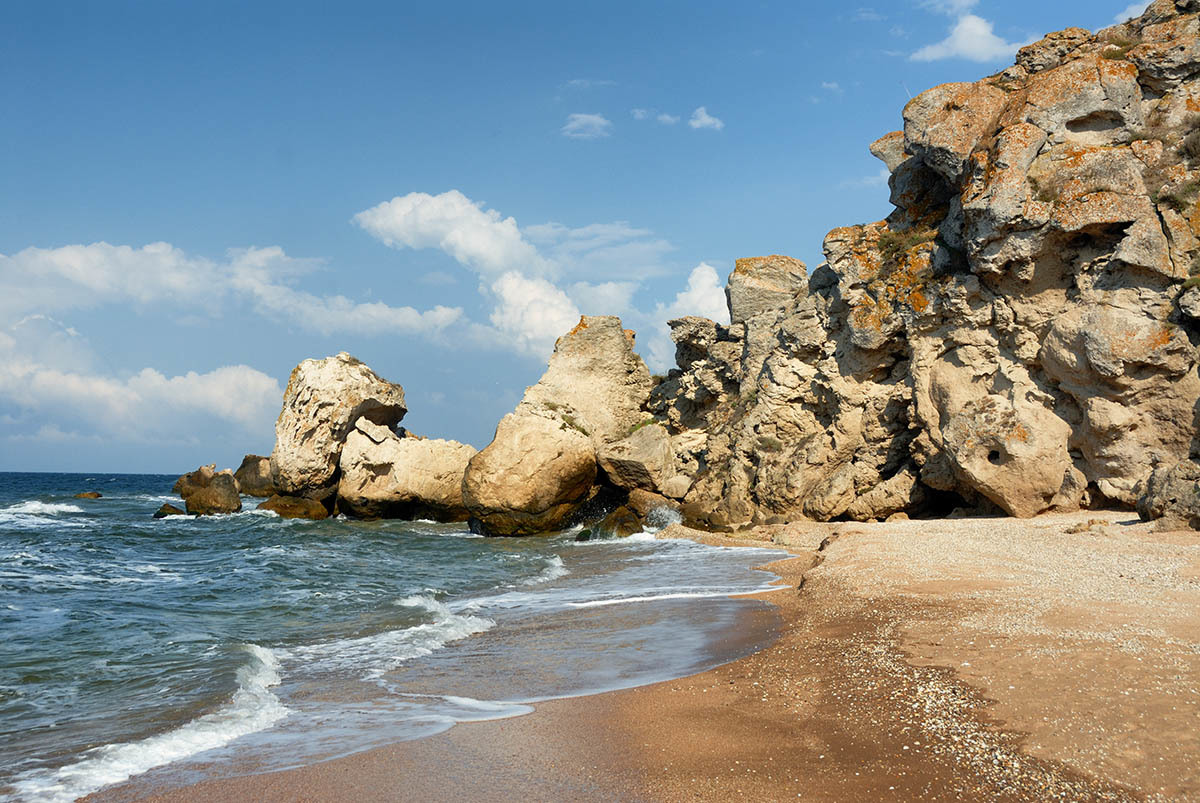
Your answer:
<point x="370" y="657"/>
<point x="554" y="569"/>
<point x="599" y="603"/>
<point x="36" y="508"/>
<point x="254" y="707"/>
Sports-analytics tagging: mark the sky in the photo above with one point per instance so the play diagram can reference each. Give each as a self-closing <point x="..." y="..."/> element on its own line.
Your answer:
<point x="196" y="196"/>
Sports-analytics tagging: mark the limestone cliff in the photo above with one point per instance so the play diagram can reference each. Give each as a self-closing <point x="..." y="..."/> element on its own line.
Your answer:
<point x="1020" y="332"/>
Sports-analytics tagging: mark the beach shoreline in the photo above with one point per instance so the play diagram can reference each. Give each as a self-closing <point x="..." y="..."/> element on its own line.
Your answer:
<point x="1039" y="659"/>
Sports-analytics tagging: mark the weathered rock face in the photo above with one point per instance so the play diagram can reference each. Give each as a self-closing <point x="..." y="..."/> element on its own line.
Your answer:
<point x="386" y="476"/>
<point x="323" y="400"/>
<point x="1171" y="494"/>
<point x="1016" y="333"/>
<point x="294" y="507"/>
<point x="254" y="476"/>
<point x="541" y="464"/>
<point x="641" y="460"/>
<point x="206" y="491"/>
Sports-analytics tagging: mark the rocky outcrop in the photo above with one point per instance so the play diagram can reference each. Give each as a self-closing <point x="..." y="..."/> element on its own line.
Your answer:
<point x="641" y="460"/>
<point x="254" y="476"/>
<point x="323" y="400"/>
<point x="206" y="491"/>
<point x="88" y="495"/>
<point x="386" y="476"/>
<point x="541" y="464"/>
<point x="1016" y="334"/>
<point x="294" y="507"/>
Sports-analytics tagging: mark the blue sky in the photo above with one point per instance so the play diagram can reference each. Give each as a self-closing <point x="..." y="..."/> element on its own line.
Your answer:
<point x="198" y="195"/>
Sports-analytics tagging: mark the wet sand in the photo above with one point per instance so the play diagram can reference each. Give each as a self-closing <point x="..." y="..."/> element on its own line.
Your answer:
<point x="967" y="659"/>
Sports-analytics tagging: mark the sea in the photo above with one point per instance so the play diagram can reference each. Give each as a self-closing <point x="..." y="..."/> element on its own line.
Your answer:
<point x="180" y="649"/>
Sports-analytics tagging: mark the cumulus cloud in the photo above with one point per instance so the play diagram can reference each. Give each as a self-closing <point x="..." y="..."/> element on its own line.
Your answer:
<point x="476" y="237"/>
<point x="953" y="8"/>
<point x="48" y="280"/>
<point x="971" y="38"/>
<point x="1131" y="11"/>
<point x="702" y="119"/>
<point x="531" y="312"/>
<point x="667" y="119"/>
<point x="587" y="126"/>
<point x="703" y="296"/>
<point x="60" y="391"/>
<point x="639" y="114"/>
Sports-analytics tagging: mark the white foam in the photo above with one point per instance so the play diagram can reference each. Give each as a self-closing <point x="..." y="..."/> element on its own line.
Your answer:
<point x="372" y="656"/>
<point x="35" y="508"/>
<point x="599" y="603"/>
<point x="253" y="708"/>
<point x="554" y="570"/>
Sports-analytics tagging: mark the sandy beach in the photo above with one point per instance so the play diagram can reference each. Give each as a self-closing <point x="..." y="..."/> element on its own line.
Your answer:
<point x="1055" y="658"/>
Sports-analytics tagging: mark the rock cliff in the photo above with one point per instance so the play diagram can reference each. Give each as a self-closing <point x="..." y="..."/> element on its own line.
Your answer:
<point x="1020" y="333"/>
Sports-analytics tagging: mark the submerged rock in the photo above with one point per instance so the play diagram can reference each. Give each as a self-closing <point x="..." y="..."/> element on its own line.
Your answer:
<point x="323" y="400"/>
<point x="386" y="476"/>
<point x="294" y="507"/>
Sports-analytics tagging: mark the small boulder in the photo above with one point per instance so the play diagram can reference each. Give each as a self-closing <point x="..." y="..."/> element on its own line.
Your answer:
<point x="294" y="507"/>
<point x="168" y="510"/>
<point x="1171" y="494"/>
<point x="620" y="523"/>
<point x="644" y="503"/>
<point x="764" y="284"/>
<point x="254" y="476"/>
<point x="88" y="495"/>
<point x="206" y="491"/>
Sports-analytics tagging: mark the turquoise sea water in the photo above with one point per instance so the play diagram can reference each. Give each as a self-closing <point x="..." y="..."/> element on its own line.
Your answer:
<point x="184" y="647"/>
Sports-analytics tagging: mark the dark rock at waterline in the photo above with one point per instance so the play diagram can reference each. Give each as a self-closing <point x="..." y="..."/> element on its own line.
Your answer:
<point x="644" y="502"/>
<point x="254" y="476"/>
<point x="168" y="510"/>
<point x="206" y="491"/>
<point x="88" y="495"/>
<point x="620" y="523"/>
<point x="295" y="507"/>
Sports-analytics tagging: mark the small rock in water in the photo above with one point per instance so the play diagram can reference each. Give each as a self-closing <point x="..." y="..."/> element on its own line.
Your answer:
<point x="168" y="510"/>
<point x="88" y="495"/>
<point x="621" y="522"/>
<point x="295" y="507"/>
<point x="584" y="535"/>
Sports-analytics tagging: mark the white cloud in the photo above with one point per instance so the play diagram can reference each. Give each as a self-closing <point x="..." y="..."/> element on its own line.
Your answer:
<point x="880" y="179"/>
<point x="953" y="8"/>
<point x="612" y="250"/>
<point x="639" y="114"/>
<point x="44" y="280"/>
<point x="65" y="394"/>
<point x="667" y="119"/>
<point x="971" y="38"/>
<point x="605" y="298"/>
<point x="531" y="312"/>
<point x="703" y="296"/>
<point x="867" y="15"/>
<point x="832" y="86"/>
<point x="587" y="126"/>
<point x="702" y="119"/>
<point x="1131" y="11"/>
<point x="476" y="237"/>
<point x="588" y="83"/>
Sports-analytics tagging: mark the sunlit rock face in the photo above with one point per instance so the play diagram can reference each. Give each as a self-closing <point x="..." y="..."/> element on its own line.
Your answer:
<point x="1018" y="335"/>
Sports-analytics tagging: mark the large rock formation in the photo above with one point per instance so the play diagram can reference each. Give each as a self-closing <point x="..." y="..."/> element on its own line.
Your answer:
<point x="206" y="491"/>
<point x="541" y="464"/>
<point x="254" y="476"/>
<point x="323" y="400"/>
<point x="1015" y="334"/>
<point x="386" y="476"/>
